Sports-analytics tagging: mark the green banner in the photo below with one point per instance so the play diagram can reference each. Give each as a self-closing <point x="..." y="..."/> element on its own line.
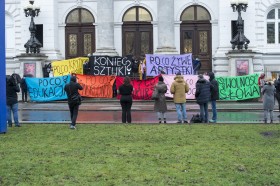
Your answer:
<point x="239" y="87"/>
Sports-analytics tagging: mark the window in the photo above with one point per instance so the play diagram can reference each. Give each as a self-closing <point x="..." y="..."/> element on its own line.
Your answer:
<point x="195" y="13"/>
<point x="273" y="26"/>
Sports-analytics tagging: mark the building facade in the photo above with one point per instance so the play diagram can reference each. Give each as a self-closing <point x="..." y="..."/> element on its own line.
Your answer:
<point x="75" y="28"/>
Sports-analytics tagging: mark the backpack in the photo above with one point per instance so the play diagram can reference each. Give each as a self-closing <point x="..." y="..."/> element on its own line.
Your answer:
<point x="196" y="119"/>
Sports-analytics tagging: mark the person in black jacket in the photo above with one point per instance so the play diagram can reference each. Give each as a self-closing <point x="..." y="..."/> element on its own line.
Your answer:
<point x="23" y="87"/>
<point x="125" y="90"/>
<point x="12" y="89"/>
<point x="214" y="88"/>
<point x="71" y="89"/>
<point x="202" y="96"/>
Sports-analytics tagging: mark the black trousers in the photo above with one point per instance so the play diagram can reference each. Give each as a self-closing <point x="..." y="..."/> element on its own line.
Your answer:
<point x="126" y="110"/>
<point x="277" y="96"/>
<point x="24" y="95"/>
<point x="74" y="109"/>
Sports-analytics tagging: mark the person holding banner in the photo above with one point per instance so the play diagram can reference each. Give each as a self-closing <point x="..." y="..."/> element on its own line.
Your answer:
<point x="268" y="92"/>
<point x="142" y="70"/>
<point x="71" y="89"/>
<point x="202" y="96"/>
<point x="179" y="88"/>
<point x="125" y="90"/>
<point x="160" y="104"/>
<point x="12" y="89"/>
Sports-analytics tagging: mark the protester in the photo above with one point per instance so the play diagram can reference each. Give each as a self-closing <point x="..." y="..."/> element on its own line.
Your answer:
<point x="142" y="70"/>
<point x="71" y="90"/>
<point x="160" y="104"/>
<point x="23" y="87"/>
<point x="202" y="96"/>
<point x="277" y="95"/>
<point x="125" y="90"/>
<point x="179" y="88"/>
<point x="214" y="89"/>
<point x="12" y="89"/>
<point x="268" y="92"/>
<point x="261" y="82"/>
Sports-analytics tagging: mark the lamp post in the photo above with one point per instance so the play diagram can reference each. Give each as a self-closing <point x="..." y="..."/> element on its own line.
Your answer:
<point x="32" y="45"/>
<point x="239" y="39"/>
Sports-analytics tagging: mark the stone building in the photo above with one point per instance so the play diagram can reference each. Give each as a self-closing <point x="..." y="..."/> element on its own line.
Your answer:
<point x="74" y="28"/>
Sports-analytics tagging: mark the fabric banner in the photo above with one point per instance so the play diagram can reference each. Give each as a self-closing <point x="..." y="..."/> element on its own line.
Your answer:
<point x="239" y="87"/>
<point x="143" y="89"/>
<point x="190" y="79"/>
<point x="169" y="64"/>
<point x="69" y="66"/>
<point x="47" y="89"/>
<point x="96" y="86"/>
<point x="107" y="65"/>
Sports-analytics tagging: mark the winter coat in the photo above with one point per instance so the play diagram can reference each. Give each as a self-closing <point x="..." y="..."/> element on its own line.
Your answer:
<point x="72" y="88"/>
<point x="126" y="93"/>
<point x="160" y="103"/>
<point x="268" y="97"/>
<point x="202" y="93"/>
<point x="179" y="88"/>
<point x="214" y="87"/>
<point x="12" y="89"/>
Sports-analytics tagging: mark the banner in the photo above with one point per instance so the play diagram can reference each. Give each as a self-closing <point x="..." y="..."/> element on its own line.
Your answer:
<point x="169" y="64"/>
<point x="47" y="89"/>
<point x="96" y="86"/>
<point x="107" y="65"/>
<point x="190" y="79"/>
<point x="143" y="89"/>
<point x="69" y="66"/>
<point x="239" y="87"/>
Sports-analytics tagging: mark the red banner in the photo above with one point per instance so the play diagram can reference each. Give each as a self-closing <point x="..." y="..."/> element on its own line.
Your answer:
<point x="96" y="86"/>
<point x="143" y="89"/>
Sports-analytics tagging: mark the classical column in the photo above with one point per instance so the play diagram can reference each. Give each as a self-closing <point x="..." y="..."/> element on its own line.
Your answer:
<point x="105" y="28"/>
<point x="166" y="27"/>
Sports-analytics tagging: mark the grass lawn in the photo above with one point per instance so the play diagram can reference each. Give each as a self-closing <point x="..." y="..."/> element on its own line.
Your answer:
<point x="107" y="154"/>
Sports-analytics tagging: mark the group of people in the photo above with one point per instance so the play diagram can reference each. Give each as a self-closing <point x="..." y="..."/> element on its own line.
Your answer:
<point x="206" y="91"/>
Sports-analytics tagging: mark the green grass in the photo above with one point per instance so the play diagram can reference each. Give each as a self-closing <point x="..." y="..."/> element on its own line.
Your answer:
<point x="106" y="154"/>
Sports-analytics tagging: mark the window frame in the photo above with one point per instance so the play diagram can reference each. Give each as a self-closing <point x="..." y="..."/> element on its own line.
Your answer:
<point x="276" y="22"/>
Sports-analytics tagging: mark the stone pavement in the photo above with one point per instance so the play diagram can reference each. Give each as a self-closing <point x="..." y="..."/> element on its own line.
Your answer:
<point x="109" y="111"/>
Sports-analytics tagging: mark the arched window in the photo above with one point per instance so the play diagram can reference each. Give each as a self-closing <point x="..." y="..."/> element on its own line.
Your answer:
<point x="273" y="26"/>
<point x="195" y="36"/>
<point x="79" y="33"/>
<point x="137" y="32"/>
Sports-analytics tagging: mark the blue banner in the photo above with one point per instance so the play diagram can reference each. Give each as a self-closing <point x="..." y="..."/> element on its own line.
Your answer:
<point x="47" y="89"/>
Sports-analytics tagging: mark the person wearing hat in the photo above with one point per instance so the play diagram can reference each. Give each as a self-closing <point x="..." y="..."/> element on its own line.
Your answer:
<point x="160" y="104"/>
<point x="268" y="93"/>
<point x="179" y="88"/>
<point x="202" y="96"/>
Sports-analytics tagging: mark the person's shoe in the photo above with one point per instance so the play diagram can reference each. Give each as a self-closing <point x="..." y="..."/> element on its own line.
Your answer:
<point x="72" y="127"/>
<point x="179" y="121"/>
<point x="265" y="121"/>
<point x="186" y="122"/>
<point x="159" y="122"/>
<point x="10" y="125"/>
<point x="164" y="121"/>
<point x="18" y="125"/>
<point x="212" y="121"/>
<point x="271" y="121"/>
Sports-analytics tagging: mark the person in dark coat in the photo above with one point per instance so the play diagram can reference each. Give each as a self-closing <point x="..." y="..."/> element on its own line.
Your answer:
<point x="23" y="87"/>
<point x="268" y="92"/>
<point x="125" y="90"/>
<point x="202" y="96"/>
<point x="277" y="95"/>
<point x="160" y="104"/>
<point x="72" y="89"/>
<point x="12" y="89"/>
<point x="214" y="89"/>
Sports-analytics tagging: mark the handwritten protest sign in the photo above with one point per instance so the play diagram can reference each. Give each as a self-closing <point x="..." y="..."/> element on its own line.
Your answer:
<point x="190" y="79"/>
<point x="143" y="89"/>
<point x="239" y="87"/>
<point x="65" y="67"/>
<point x="47" y="89"/>
<point x="107" y="65"/>
<point x="169" y="64"/>
<point x="96" y="86"/>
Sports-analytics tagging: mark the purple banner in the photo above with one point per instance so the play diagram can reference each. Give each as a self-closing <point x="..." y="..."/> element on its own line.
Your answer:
<point x="169" y="64"/>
